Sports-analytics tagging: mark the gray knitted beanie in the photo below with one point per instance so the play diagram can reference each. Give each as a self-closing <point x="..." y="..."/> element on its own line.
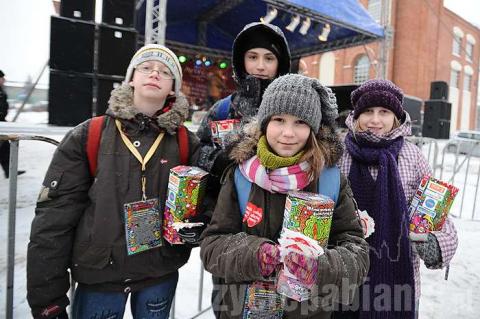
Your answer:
<point x="157" y="52"/>
<point x="300" y="96"/>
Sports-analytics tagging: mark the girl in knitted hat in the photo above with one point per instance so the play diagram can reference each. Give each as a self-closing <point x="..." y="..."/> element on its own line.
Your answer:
<point x="384" y="171"/>
<point x="104" y="224"/>
<point x="286" y="148"/>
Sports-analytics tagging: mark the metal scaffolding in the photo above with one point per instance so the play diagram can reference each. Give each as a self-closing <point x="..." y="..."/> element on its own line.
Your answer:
<point x="155" y="21"/>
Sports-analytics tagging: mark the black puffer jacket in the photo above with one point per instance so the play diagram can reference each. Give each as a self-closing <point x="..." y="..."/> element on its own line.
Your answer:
<point x="79" y="222"/>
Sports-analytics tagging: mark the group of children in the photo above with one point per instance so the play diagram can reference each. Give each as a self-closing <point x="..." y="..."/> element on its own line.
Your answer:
<point x="287" y="139"/>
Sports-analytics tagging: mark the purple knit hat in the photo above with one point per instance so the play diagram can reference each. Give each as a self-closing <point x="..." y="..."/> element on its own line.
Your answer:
<point x="378" y="93"/>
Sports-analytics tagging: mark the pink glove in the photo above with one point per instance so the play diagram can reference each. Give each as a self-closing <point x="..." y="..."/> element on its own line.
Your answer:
<point x="304" y="268"/>
<point x="268" y="258"/>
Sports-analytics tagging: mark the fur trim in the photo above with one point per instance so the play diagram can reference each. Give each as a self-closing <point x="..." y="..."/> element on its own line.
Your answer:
<point x="121" y="106"/>
<point x="244" y="146"/>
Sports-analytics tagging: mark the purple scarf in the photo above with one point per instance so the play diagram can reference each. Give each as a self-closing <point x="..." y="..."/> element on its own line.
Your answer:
<point x="390" y="253"/>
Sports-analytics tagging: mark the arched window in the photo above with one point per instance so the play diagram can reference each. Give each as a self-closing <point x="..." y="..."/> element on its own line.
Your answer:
<point x="360" y="71"/>
<point x="457" y="41"/>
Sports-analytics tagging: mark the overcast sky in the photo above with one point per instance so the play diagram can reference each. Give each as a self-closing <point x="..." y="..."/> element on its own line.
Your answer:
<point x="25" y="34"/>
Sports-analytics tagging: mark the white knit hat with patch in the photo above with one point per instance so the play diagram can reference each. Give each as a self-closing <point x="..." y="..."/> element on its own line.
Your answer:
<point x="157" y="52"/>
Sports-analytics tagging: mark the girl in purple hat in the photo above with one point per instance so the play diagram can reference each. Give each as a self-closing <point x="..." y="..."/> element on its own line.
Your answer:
<point x="384" y="171"/>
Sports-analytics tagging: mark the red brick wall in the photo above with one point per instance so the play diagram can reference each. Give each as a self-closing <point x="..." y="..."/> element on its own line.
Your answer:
<point x="421" y="51"/>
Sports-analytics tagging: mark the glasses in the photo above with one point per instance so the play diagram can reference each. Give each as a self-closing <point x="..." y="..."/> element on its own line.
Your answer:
<point x="164" y="73"/>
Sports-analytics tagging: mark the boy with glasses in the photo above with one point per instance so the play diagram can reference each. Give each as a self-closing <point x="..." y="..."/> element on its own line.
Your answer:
<point x="86" y="223"/>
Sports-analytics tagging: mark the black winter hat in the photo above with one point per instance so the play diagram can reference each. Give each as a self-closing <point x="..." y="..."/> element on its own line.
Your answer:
<point x="2" y="74"/>
<point x="260" y="35"/>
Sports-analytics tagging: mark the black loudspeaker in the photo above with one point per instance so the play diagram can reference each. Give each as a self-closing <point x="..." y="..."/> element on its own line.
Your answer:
<point x="436" y="119"/>
<point x="78" y="9"/>
<point x="118" y="12"/>
<point x="71" y="45"/>
<point x="413" y="106"/>
<point x="105" y="85"/>
<point x="70" y="98"/>
<point x="342" y="93"/>
<point x="116" y="48"/>
<point x="439" y="90"/>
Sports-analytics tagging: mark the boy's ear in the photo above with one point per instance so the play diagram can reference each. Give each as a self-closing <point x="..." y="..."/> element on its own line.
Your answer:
<point x="131" y="83"/>
<point x="172" y="93"/>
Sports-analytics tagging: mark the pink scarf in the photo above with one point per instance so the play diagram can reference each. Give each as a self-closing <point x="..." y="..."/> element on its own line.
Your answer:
<point x="280" y="180"/>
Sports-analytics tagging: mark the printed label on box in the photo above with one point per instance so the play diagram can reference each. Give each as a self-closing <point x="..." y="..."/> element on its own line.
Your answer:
<point x="431" y="204"/>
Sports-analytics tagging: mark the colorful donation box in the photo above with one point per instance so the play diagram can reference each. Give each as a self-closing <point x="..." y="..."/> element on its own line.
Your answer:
<point x="186" y="187"/>
<point x="309" y="214"/>
<point x="306" y="228"/>
<point x="221" y="129"/>
<point x="430" y="205"/>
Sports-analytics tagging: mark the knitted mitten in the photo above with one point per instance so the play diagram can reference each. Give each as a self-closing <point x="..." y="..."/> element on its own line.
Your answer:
<point x="302" y="267"/>
<point x="268" y="257"/>
<point x="429" y="251"/>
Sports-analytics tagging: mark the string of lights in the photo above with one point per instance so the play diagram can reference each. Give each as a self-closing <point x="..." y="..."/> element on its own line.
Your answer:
<point x="204" y="61"/>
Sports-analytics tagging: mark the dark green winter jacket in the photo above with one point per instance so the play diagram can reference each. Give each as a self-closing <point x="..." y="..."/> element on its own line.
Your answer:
<point x="79" y="221"/>
<point x="229" y="248"/>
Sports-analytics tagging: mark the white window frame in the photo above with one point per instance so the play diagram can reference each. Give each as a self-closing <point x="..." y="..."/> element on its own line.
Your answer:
<point x="361" y="70"/>
<point x="467" y="78"/>
<point x="455" y="78"/>
<point x="457" y="45"/>
<point x="467" y="82"/>
<point x="469" y="48"/>
<point x="457" y="41"/>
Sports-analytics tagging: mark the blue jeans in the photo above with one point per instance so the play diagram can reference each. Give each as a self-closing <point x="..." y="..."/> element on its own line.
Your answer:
<point x="150" y="302"/>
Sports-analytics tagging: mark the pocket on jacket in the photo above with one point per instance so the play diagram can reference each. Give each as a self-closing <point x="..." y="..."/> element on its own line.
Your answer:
<point x="51" y="185"/>
<point x="90" y="256"/>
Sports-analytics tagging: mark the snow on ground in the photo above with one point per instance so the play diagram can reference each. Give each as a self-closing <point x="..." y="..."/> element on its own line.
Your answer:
<point x="457" y="297"/>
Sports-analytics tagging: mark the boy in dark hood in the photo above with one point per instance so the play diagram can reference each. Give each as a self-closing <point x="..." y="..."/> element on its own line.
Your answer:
<point x="260" y="54"/>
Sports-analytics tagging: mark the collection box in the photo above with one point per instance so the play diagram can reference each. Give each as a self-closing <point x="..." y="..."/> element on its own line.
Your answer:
<point x="430" y="205"/>
<point x="220" y="130"/>
<point x="309" y="214"/>
<point x="186" y="188"/>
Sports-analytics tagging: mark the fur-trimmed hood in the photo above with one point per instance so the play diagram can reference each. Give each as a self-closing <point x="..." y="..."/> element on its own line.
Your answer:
<point x="244" y="145"/>
<point x="121" y="106"/>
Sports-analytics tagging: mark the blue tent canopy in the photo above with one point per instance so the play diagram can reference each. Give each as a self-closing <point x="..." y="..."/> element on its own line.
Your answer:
<point x="210" y="26"/>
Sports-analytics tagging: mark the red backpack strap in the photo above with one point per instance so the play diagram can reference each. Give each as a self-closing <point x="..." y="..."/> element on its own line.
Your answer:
<point x="93" y="142"/>
<point x="182" y="136"/>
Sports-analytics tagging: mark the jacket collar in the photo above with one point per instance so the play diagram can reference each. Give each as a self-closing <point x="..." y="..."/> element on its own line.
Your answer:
<point x="121" y="107"/>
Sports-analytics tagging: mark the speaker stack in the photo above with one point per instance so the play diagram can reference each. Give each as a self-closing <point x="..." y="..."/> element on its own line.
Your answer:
<point x="413" y="107"/>
<point x="88" y="60"/>
<point x="117" y="43"/>
<point x="437" y="112"/>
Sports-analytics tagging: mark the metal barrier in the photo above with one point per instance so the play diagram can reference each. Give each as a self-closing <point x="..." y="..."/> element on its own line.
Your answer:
<point x="461" y="170"/>
<point x="10" y="133"/>
<point x="435" y="151"/>
<point x="14" y="139"/>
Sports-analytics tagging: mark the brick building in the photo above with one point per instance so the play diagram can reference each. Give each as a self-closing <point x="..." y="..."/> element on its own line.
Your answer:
<point x="428" y="43"/>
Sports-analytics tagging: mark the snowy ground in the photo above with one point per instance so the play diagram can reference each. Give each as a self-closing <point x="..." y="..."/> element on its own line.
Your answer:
<point x="455" y="298"/>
